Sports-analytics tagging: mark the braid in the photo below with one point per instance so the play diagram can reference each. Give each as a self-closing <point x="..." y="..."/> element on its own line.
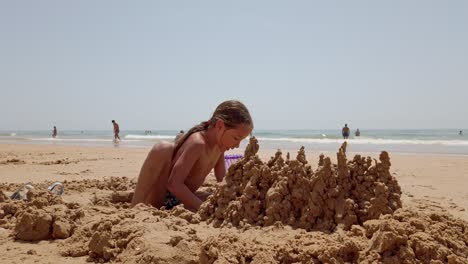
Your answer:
<point x="200" y="127"/>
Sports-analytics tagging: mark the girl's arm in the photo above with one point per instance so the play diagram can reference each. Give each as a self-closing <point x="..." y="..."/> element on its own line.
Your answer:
<point x="180" y="172"/>
<point x="220" y="168"/>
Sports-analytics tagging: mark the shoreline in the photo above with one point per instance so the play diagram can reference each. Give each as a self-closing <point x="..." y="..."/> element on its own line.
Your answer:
<point x="292" y="148"/>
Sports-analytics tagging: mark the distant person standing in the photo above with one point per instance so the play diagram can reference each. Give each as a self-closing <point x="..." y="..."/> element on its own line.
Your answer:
<point x="181" y="133"/>
<point x="357" y="133"/>
<point x="116" y="130"/>
<point x="461" y="133"/>
<point x="345" y="131"/>
<point x="54" y="133"/>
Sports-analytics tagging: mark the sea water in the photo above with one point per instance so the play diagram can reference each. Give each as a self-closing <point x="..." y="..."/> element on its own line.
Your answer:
<point x="437" y="141"/>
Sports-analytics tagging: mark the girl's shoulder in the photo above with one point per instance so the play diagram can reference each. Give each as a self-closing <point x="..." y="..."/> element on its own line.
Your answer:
<point x="196" y="139"/>
<point x="162" y="151"/>
<point x="163" y="146"/>
<point x="194" y="145"/>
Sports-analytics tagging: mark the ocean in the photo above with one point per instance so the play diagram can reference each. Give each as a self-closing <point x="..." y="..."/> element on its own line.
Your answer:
<point x="436" y="141"/>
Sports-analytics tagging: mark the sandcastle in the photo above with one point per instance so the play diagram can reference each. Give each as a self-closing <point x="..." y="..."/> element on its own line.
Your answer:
<point x="291" y="192"/>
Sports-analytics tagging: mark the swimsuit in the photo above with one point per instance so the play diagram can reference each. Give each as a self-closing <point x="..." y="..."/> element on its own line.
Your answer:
<point x="345" y="132"/>
<point x="171" y="201"/>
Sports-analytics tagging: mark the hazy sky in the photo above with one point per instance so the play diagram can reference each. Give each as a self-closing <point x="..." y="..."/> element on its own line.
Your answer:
<point x="295" y="64"/>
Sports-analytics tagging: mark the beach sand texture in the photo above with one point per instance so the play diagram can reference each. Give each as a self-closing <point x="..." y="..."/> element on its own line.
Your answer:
<point x="289" y="208"/>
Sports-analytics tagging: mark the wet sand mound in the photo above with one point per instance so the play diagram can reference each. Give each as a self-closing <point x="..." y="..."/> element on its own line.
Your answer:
<point x="41" y="216"/>
<point x="117" y="199"/>
<point x="291" y="192"/>
<point x="405" y="237"/>
<point x="108" y="183"/>
<point x="103" y="239"/>
<point x="137" y="235"/>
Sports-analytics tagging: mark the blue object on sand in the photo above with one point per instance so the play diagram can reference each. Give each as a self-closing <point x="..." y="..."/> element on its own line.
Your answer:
<point x="230" y="159"/>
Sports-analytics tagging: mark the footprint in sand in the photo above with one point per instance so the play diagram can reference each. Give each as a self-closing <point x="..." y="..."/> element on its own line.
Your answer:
<point x="408" y="194"/>
<point x="454" y="206"/>
<point x="13" y="161"/>
<point x="426" y="203"/>
<point x="68" y="173"/>
<point x="425" y="186"/>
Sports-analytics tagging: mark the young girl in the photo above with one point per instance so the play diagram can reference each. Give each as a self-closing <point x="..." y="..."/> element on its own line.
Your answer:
<point x="173" y="172"/>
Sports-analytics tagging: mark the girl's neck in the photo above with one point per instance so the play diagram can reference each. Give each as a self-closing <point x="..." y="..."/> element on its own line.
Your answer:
<point x="210" y="137"/>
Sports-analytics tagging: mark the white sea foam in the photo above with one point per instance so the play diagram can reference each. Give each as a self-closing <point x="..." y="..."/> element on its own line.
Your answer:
<point x="354" y="141"/>
<point x="149" y="137"/>
<point x="367" y="141"/>
<point x="77" y="139"/>
<point x="417" y="141"/>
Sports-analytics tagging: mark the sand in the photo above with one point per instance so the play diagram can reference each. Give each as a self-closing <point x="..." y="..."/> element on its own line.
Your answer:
<point x="290" y="192"/>
<point x="302" y="209"/>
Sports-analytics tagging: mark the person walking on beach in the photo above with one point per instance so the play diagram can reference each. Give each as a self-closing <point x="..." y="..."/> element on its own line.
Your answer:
<point x="116" y="130"/>
<point x="181" y="134"/>
<point x="461" y="133"/>
<point x="173" y="172"/>
<point x="54" y="133"/>
<point x="357" y="133"/>
<point x="345" y="131"/>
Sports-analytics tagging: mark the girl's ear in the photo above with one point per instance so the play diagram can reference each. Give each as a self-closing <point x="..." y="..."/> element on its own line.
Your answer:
<point x="219" y="124"/>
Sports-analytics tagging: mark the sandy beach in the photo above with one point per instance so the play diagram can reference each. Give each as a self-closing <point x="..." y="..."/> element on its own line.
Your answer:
<point x="99" y="182"/>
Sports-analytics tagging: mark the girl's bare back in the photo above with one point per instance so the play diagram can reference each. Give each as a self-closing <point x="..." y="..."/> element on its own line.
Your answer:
<point x="154" y="174"/>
